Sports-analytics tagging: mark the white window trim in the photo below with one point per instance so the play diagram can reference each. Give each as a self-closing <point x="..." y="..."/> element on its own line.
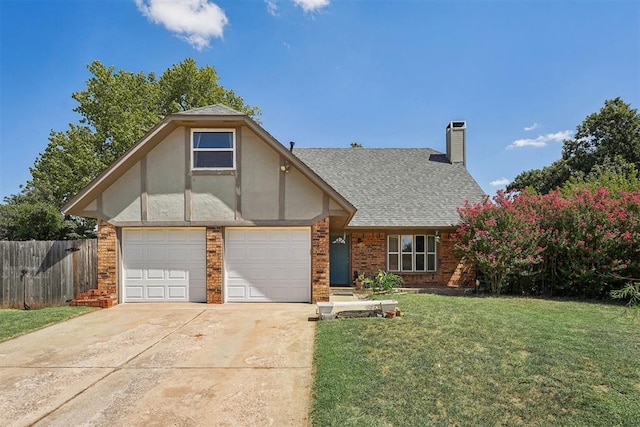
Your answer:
<point x="213" y="130"/>
<point x="426" y="253"/>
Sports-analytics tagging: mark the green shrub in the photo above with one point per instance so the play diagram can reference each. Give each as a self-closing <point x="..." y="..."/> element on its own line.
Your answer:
<point x="385" y="281"/>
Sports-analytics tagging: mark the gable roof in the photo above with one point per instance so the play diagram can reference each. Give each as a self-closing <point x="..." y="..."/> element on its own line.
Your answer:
<point x="395" y="187"/>
<point x="217" y="112"/>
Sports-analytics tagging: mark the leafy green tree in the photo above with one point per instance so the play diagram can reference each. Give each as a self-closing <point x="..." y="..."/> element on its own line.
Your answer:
<point x="185" y="86"/>
<point x="609" y="138"/>
<point x="615" y="176"/>
<point x="31" y="220"/>
<point x="542" y="181"/>
<point x="116" y="108"/>
<point x="613" y="132"/>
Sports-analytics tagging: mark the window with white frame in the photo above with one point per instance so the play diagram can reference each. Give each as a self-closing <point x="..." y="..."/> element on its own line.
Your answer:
<point x="213" y="149"/>
<point x="411" y="253"/>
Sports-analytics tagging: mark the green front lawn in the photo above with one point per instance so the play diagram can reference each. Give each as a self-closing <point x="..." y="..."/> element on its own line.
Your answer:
<point x="18" y="322"/>
<point x="479" y="361"/>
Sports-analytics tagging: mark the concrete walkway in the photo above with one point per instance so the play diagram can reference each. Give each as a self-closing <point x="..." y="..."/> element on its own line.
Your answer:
<point x="161" y="365"/>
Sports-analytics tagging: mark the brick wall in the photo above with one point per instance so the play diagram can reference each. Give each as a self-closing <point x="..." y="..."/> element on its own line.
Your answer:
<point x="107" y="258"/>
<point x="214" y="265"/>
<point x="452" y="272"/>
<point x="369" y="252"/>
<point x="320" y="261"/>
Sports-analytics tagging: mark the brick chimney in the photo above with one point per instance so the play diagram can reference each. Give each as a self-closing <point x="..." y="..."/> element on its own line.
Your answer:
<point x="456" y="142"/>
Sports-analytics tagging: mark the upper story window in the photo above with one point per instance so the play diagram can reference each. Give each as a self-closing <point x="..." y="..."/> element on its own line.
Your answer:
<point x="213" y="149"/>
<point x="411" y="253"/>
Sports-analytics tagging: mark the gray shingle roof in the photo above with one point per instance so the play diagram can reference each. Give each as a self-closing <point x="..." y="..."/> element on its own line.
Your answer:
<point x="395" y="187"/>
<point x="215" y="110"/>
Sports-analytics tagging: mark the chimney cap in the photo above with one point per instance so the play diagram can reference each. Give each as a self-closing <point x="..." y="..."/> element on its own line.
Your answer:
<point x="457" y="125"/>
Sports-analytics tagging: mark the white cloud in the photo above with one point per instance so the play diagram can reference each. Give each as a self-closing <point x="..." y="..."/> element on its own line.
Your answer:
<point x="272" y="7"/>
<point x="500" y="182"/>
<point x="311" y="5"/>
<point x="540" y="141"/>
<point x="532" y="127"/>
<point x="195" y="21"/>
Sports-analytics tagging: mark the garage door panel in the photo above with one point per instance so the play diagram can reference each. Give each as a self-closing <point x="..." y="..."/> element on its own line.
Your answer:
<point x="236" y="292"/>
<point x="256" y="254"/>
<point x="297" y="274"/>
<point x="271" y="264"/>
<point x="257" y="293"/>
<point x="156" y="292"/>
<point x="154" y="254"/>
<point x="294" y="293"/>
<point x="197" y="275"/>
<point x="177" y="292"/>
<point x="155" y="274"/>
<point x="133" y="273"/>
<point x="300" y="255"/>
<point x="133" y="292"/>
<point x="159" y="236"/>
<point x="177" y="275"/>
<point x="280" y="254"/>
<point x="135" y="235"/>
<point x="256" y="235"/>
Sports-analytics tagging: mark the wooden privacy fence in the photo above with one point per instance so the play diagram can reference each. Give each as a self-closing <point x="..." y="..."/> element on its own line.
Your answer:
<point x="46" y="273"/>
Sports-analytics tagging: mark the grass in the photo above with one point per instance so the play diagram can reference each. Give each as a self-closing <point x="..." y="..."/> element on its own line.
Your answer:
<point x="479" y="361"/>
<point x="17" y="322"/>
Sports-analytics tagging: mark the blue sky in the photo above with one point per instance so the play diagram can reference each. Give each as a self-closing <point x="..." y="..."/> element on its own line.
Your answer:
<point x="327" y="73"/>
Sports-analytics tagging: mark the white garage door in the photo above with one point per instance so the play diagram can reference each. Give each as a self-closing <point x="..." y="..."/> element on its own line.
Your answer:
<point x="268" y="264"/>
<point x="164" y="264"/>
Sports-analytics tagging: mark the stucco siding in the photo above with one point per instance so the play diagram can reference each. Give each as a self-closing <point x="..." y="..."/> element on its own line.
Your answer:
<point x="260" y="176"/>
<point x="303" y="200"/>
<point x="93" y="206"/>
<point x="121" y="201"/>
<point x="213" y="197"/>
<point x="166" y="178"/>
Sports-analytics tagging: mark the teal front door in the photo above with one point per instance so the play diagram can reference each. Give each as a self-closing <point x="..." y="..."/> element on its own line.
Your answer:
<point x="339" y="261"/>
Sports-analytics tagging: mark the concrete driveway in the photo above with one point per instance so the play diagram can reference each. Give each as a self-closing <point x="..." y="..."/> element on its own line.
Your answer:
<point x="163" y="365"/>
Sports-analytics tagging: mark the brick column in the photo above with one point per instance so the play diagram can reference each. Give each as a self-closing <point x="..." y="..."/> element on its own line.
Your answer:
<point x="107" y="258"/>
<point x="320" y="261"/>
<point x="214" y="265"/>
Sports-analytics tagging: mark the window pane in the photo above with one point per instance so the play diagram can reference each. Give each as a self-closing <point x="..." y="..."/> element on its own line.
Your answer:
<point x="213" y="140"/>
<point x="406" y="262"/>
<point x="213" y="159"/>
<point x="431" y="262"/>
<point x="393" y="262"/>
<point x="407" y="244"/>
<point x="393" y="243"/>
<point x="419" y="262"/>
<point x="419" y="243"/>
<point x="431" y="244"/>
